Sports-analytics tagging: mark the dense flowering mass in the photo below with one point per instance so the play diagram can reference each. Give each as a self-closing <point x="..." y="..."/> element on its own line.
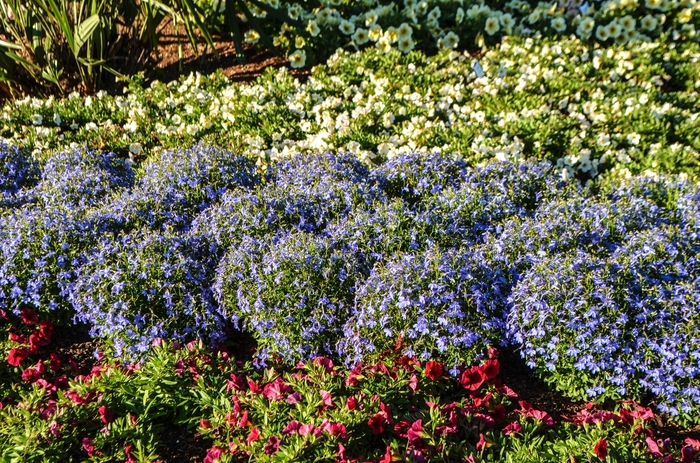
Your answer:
<point x="321" y="255"/>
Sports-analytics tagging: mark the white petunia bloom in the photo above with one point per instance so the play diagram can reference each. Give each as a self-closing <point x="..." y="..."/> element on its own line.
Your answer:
<point x="37" y="119"/>
<point x="298" y="59"/>
<point x="360" y="37"/>
<point x="346" y="27"/>
<point x="492" y="25"/>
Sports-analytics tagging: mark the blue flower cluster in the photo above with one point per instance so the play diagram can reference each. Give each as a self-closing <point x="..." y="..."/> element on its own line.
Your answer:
<point x="607" y="294"/>
<point x="17" y="174"/>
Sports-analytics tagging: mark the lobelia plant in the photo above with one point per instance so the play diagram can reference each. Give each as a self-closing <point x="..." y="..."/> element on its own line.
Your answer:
<point x="291" y="290"/>
<point x="172" y="188"/>
<point x="442" y="304"/>
<point x="145" y="285"/>
<point x="18" y="174"/>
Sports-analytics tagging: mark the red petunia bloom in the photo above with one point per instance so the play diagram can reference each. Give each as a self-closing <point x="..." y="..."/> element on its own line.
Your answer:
<point x="433" y="370"/>
<point x="28" y="316"/>
<point x="351" y="403"/>
<point x="377" y="423"/>
<point x="291" y="428"/>
<point x="127" y="451"/>
<point x="89" y="446"/>
<point x="324" y="362"/>
<point x="106" y="416"/>
<point x="491" y="368"/>
<point x="473" y="378"/>
<point x="54" y="362"/>
<point x="17" y="355"/>
<point x="273" y="445"/>
<point x="253" y="435"/>
<point x="601" y="449"/>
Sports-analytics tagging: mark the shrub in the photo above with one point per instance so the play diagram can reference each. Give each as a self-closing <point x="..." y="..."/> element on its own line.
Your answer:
<point x="444" y="304"/>
<point x="173" y="187"/>
<point x="79" y="179"/>
<point x="17" y="174"/>
<point x="146" y="285"/>
<point x="293" y="291"/>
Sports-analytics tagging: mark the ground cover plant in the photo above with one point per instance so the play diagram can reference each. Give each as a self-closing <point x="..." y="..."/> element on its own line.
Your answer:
<point x="340" y="269"/>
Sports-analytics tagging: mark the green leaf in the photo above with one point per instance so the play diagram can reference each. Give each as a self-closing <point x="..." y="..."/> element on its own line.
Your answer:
<point x="6" y="44"/>
<point x="84" y="31"/>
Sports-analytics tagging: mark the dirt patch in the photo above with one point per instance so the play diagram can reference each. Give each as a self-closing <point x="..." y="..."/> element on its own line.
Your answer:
<point x="73" y="343"/>
<point x="181" y="445"/>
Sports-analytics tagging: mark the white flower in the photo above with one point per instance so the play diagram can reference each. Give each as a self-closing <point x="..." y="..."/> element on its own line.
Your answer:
<point x="346" y="27"/>
<point x="135" y="148"/>
<point x="251" y="36"/>
<point x="649" y="23"/>
<point x="37" y="119"/>
<point x="297" y="59"/>
<point x="131" y="126"/>
<point x="633" y="138"/>
<point x="91" y="126"/>
<point x="628" y="23"/>
<point x="585" y="27"/>
<point x="388" y="120"/>
<point x="450" y="40"/>
<point x="492" y="25"/>
<point x="177" y="120"/>
<point x="533" y="17"/>
<point x="558" y="24"/>
<point x="312" y="28"/>
<point x="56" y="119"/>
<point x="507" y="21"/>
<point x="375" y="32"/>
<point x="192" y="129"/>
<point x="404" y="31"/>
<point x="384" y="45"/>
<point x="614" y="29"/>
<point x="74" y="126"/>
<point x="459" y="16"/>
<point x="601" y="33"/>
<point x="391" y="34"/>
<point x="360" y="37"/>
<point x="405" y="45"/>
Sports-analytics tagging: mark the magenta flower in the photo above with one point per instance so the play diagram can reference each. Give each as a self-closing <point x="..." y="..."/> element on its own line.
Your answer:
<point x="512" y="428"/>
<point x="351" y="403"/>
<point x="294" y="398"/>
<point x="377" y="423"/>
<point x="89" y="446"/>
<point x="28" y="316"/>
<point x="106" y="416"/>
<point x="272" y="446"/>
<point x="654" y="448"/>
<point x="413" y="383"/>
<point x="253" y="435"/>
<point x="327" y="399"/>
<point x="213" y="454"/>
<point x="306" y="429"/>
<point x="326" y="363"/>
<point x="415" y="431"/>
<point x="291" y="428"/>
<point x="236" y="382"/>
<point x="276" y="389"/>
<point x="473" y="378"/>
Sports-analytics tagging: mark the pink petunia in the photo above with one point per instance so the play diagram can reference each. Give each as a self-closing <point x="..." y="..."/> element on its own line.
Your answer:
<point x="294" y="398"/>
<point x="413" y="383"/>
<point x="276" y="389"/>
<point x="327" y="398"/>
<point x="414" y="433"/>
<point x="654" y="448"/>
<point x="324" y="362"/>
<point x="307" y="429"/>
<point x="89" y="446"/>
<point x="601" y="449"/>
<point x="483" y="443"/>
<point x="127" y="451"/>
<point x="291" y="428"/>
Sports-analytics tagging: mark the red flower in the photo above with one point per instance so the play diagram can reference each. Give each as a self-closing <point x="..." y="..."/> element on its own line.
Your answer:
<point x="46" y="330"/>
<point x="273" y="445"/>
<point x="387" y="456"/>
<point x="601" y="449"/>
<point x="18" y="338"/>
<point x="291" y="428"/>
<point x="55" y="362"/>
<point x="351" y="403"/>
<point x="129" y="456"/>
<point x="17" y="355"/>
<point x="341" y="453"/>
<point x="483" y="443"/>
<point x="491" y="368"/>
<point x="28" y="316"/>
<point x="386" y="410"/>
<point x="34" y="373"/>
<point x="106" y="416"/>
<point x="253" y="435"/>
<point x="512" y="428"/>
<point x="243" y="422"/>
<point x="377" y="423"/>
<point x="473" y="378"/>
<point x="213" y="454"/>
<point x="179" y="367"/>
<point x="204" y="423"/>
<point x="433" y="370"/>
<point x="254" y="388"/>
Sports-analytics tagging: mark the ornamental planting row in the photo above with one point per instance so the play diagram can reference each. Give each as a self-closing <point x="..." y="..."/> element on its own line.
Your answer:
<point x="320" y="255"/>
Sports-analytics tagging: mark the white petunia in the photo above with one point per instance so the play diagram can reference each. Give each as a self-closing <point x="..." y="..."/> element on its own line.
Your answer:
<point x="37" y="119"/>
<point x="298" y="59"/>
